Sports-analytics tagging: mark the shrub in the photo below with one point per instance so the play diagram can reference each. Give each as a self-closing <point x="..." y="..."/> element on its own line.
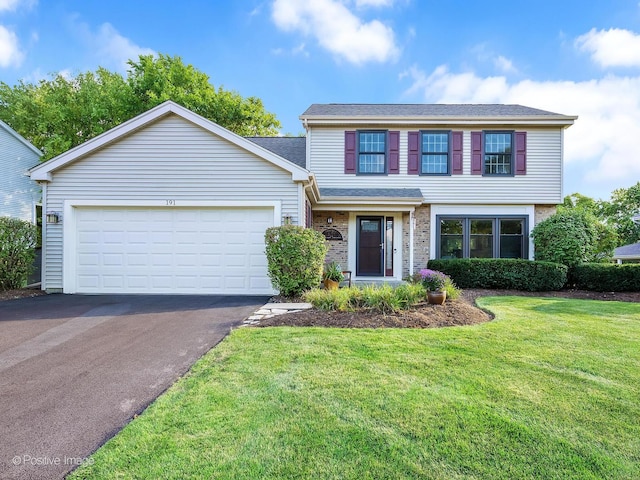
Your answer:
<point x="506" y="273"/>
<point x="295" y="257"/>
<point x="382" y="298"/>
<point x="605" y="277"/>
<point x="569" y="237"/>
<point x="17" y="251"/>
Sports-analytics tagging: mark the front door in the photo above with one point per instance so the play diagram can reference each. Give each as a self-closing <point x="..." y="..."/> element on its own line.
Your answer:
<point x="369" y="261"/>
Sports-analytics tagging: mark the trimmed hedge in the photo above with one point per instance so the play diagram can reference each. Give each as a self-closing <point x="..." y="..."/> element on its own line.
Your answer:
<point x="605" y="277"/>
<point x="503" y="273"/>
<point x="295" y="257"/>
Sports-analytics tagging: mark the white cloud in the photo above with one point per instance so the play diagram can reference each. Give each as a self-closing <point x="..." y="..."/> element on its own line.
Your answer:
<point x="603" y="143"/>
<point x="12" y="5"/>
<point x="337" y="30"/>
<point x="504" y="64"/>
<point x="10" y="53"/>
<point x="611" y="48"/>
<point x="116" y="48"/>
<point x="373" y="3"/>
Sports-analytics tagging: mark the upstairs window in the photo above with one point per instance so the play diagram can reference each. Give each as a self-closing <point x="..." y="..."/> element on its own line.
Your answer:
<point x="435" y="153"/>
<point x="372" y="149"/>
<point x="498" y="153"/>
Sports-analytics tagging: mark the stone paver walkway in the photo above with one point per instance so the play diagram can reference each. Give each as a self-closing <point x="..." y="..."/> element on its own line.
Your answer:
<point x="272" y="309"/>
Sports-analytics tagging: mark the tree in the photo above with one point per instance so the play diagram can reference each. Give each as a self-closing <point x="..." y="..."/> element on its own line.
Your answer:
<point x="62" y="112"/>
<point x="619" y="213"/>
<point x="607" y="238"/>
<point x="569" y="237"/>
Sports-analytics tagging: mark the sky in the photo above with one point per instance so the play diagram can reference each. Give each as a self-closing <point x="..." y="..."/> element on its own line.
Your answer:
<point x="571" y="57"/>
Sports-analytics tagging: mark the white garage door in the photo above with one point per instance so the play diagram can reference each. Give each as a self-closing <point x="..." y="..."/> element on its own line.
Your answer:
<point x="177" y="250"/>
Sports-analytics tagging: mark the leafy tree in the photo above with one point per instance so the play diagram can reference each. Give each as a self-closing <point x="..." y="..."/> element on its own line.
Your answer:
<point x="569" y="237"/>
<point x="593" y="209"/>
<point x="619" y="213"/>
<point x="62" y="112"/>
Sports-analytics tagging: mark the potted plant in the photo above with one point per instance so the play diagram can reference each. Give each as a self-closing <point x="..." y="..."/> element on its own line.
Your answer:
<point x="332" y="275"/>
<point x="434" y="281"/>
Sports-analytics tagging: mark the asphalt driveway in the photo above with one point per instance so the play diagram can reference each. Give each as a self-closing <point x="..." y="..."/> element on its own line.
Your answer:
<point x="75" y="369"/>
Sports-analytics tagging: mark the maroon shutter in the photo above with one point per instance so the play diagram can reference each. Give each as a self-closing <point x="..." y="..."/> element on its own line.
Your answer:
<point x="476" y="153"/>
<point x="394" y="152"/>
<point x="521" y="153"/>
<point x="349" y="152"/>
<point x="456" y="153"/>
<point x="414" y="153"/>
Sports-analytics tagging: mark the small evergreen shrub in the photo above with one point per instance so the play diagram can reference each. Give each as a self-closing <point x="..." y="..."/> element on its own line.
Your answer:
<point x="18" y="240"/>
<point x="601" y="277"/>
<point x="295" y="257"/>
<point x="503" y="273"/>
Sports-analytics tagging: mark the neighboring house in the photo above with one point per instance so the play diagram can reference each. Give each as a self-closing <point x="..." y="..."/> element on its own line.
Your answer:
<point x="19" y="195"/>
<point x="627" y="253"/>
<point x="170" y="202"/>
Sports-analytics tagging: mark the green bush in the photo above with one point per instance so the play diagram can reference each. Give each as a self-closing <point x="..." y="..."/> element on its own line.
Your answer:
<point x="503" y="273"/>
<point x="381" y="298"/>
<point x="569" y="237"/>
<point x="17" y="251"/>
<point x="295" y="257"/>
<point x="605" y="277"/>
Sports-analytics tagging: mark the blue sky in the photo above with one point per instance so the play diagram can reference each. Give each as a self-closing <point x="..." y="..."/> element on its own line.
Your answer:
<point x="571" y="57"/>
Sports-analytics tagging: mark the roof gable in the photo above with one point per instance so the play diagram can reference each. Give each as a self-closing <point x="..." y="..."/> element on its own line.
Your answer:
<point x="20" y="138"/>
<point x="44" y="171"/>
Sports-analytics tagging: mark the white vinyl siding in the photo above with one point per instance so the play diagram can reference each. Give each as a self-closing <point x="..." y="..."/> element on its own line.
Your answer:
<point x="18" y="193"/>
<point x="168" y="160"/>
<point x="541" y="185"/>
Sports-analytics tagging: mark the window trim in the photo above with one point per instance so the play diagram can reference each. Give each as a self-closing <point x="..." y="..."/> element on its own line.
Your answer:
<point x="386" y="152"/>
<point x="466" y="232"/>
<point x="512" y="154"/>
<point x="449" y="153"/>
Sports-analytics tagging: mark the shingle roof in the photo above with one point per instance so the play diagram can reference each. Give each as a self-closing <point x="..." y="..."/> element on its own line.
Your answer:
<point x="628" y="250"/>
<point x="372" y="192"/>
<point x="293" y="149"/>
<point x="422" y="110"/>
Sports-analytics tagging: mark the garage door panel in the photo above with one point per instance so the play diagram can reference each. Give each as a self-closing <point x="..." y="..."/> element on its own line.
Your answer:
<point x="194" y="250"/>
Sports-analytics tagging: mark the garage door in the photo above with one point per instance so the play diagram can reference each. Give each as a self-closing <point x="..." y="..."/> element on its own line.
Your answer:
<point x="178" y="250"/>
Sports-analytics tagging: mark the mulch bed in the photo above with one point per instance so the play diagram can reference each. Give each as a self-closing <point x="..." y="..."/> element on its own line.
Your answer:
<point x="20" y="293"/>
<point x="462" y="311"/>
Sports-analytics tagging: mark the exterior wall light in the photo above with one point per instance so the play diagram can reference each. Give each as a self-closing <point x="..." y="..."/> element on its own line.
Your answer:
<point x="53" y="217"/>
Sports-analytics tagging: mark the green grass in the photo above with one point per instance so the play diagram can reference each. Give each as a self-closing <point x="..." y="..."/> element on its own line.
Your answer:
<point x="550" y="389"/>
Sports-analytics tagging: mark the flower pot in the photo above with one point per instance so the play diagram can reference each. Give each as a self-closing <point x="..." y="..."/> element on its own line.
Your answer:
<point x="331" y="284"/>
<point x="437" y="298"/>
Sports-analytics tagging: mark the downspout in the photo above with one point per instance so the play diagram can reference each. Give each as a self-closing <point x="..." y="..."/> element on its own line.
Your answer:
<point x="43" y="274"/>
<point x="412" y="220"/>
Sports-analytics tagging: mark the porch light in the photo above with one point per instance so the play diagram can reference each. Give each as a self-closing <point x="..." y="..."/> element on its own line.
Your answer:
<point x="287" y="220"/>
<point x="53" y="217"/>
<point x="329" y="220"/>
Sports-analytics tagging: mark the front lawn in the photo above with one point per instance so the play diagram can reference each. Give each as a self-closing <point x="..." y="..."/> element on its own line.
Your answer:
<point x="549" y="389"/>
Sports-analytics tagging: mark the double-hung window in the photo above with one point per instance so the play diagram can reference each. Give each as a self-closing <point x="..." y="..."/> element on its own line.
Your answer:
<point x="498" y="153"/>
<point x="372" y="152"/>
<point x="482" y="237"/>
<point x="435" y="158"/>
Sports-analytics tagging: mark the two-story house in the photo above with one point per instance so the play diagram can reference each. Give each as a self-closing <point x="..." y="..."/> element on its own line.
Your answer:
<point x="406" y="183"/>
<point x="170" y="202"/>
